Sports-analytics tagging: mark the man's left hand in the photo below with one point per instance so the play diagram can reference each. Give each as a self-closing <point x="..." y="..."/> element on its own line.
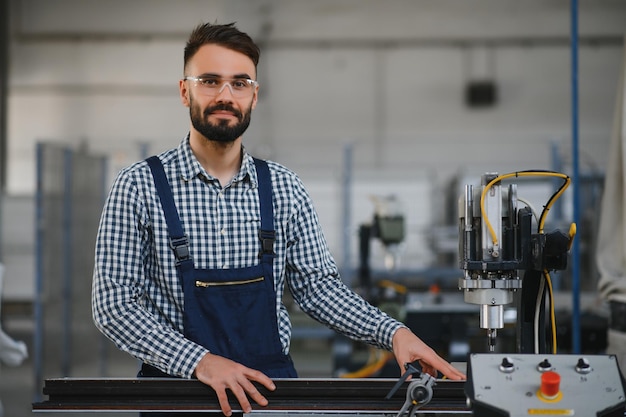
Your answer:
<point x="407" y="348"/>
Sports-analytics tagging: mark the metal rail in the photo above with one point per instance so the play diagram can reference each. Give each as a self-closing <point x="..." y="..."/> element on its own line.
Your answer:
<point x="361" y="396"/>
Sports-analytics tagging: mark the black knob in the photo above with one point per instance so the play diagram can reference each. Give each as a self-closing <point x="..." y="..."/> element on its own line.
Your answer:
<point x="507" y="365"/>
<point x="582" y="366"/>
<point x="544" y="365"/>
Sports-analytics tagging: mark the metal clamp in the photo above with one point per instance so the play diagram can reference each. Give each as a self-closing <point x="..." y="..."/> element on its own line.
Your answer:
<point x="418" y="393"/>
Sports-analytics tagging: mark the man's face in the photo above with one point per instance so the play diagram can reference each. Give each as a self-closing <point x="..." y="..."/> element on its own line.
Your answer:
<point x="221" y="116"/>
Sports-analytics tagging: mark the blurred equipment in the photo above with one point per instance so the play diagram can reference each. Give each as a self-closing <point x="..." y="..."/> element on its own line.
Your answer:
<point x="388" y="226"/>
<point x="495" y="243"/>
<point x="564" y="385"/>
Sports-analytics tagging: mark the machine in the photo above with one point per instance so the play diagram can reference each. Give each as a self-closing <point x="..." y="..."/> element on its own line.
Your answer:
<point x="496" y="242"/>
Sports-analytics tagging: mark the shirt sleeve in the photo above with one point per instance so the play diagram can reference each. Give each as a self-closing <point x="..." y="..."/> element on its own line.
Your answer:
<point x="119" y="299"/>
<point x="317" y="288"/>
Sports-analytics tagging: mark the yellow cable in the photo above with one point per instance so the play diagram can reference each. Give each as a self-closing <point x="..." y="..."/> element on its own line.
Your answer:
<point x="541" y="222"/>
<point x="572" y="234"/>
<point x="499" y="178"/>
<point x="552" y="318"/>
<point x="399" y="288"/>
<point x="377" y="359"/>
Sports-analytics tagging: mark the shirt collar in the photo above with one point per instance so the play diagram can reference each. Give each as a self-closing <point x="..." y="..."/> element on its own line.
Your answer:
<point x="191" y="168"/>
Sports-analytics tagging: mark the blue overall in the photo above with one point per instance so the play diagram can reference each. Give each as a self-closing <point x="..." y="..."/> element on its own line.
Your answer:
<point x="231" y="312"/>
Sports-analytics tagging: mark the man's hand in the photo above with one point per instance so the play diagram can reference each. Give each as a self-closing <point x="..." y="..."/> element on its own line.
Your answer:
<point x="409" y="348"/>
<point x="222" y="374"/>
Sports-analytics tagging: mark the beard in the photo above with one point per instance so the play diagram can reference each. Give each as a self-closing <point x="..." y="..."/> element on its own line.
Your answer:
<point x="222" y="131"/>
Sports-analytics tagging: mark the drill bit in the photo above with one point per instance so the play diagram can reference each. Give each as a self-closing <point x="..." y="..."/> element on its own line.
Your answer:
<point x="491" y="339"/>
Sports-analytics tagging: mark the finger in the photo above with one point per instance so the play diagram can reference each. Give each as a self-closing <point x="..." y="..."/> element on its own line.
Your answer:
<point x="429" y="370"/>
<point x="455" y="374"/>
<point x="254" y="393"/>
<point x="222" y="398"/>
<point x="262" y="379"/>
<point x="448" y="370"/>
<point x="242" y="399"/>
<point x="251" y="389"/>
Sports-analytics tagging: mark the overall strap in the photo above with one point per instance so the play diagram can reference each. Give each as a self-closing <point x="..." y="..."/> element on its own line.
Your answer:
<point x="267" y="234"/>
<point x="178" y="240"/>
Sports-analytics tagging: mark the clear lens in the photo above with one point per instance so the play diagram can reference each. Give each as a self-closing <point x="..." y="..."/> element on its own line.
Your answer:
<point x="212" y="86"/>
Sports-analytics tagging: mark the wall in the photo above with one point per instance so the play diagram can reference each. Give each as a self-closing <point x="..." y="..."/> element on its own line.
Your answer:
<point x="387" y="77"/>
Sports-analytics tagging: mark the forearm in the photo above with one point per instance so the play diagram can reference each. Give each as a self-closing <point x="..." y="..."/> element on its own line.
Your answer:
<point x="329" y="301"/>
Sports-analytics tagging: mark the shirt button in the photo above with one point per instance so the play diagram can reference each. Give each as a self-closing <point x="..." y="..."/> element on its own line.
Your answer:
<point x="223" y="232"/>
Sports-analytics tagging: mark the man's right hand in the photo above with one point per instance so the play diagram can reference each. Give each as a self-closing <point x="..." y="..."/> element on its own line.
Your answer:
<point x="221" y="374"/>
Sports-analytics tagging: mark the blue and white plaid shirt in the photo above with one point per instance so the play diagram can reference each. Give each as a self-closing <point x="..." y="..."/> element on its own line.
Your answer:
<point x="137" y="298"/>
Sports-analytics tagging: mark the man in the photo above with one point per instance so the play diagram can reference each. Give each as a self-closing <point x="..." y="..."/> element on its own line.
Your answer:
<point x="195" y="247"/>
<point x="611" y="246"/>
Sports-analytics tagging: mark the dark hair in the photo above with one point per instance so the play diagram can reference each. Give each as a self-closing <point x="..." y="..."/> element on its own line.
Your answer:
<point x="226" y="35"/>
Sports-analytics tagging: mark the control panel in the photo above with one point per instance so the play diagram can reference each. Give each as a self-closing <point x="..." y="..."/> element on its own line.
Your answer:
<point x="544" y="385"/>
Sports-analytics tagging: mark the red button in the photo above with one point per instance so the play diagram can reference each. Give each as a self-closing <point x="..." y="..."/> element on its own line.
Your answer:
<point x="550" y="382"/>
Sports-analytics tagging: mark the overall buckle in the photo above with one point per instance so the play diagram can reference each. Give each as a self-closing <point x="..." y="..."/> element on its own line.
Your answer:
<point x="267" y="242"/>
<point x="180" y="246"/>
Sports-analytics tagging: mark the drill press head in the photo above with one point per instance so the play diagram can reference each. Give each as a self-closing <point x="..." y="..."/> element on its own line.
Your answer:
<point x="496" y="243"/>
<point x="488" y="255"/>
